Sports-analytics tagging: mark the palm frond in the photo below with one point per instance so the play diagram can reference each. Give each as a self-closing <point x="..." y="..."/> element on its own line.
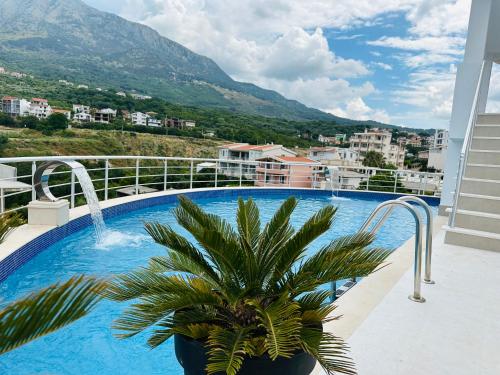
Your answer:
<point x="47" y="310"/>
<point x="227" y="350"/>
<point x="281" y="320"/>
<point x="343" y="258"/>
<point x="162" y="298"/>
<point x="248" y="221"/>
<point x="293" y="250"/>
<point x="7" y="223"/>
<point x="166" y="236"/>
<point x="216" y="236"/>
<point x="330" y="351"/>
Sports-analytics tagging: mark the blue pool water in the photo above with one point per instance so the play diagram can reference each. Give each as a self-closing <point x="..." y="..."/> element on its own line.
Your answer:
<point x="88" y="346"/>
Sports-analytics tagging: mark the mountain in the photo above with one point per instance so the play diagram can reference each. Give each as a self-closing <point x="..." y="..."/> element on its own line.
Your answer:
<point x="67" y="39"/>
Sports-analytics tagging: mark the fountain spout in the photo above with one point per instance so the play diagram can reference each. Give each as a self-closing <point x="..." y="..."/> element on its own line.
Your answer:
<point x="42" y="189"/>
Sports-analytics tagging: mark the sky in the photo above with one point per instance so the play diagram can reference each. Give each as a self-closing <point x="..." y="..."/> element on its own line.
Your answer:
<point x="392" y="61"/>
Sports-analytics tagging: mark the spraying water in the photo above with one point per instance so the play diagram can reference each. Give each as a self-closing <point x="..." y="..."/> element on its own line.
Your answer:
<point x="92" y="201"/>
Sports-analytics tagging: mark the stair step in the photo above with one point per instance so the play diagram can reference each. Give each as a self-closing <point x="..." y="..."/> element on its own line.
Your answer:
<point x="485" y="143"/>
<point x="480" y="186"/>
<point x="481" y="221"/>
<point x="482" y="171"/>
<point x="486" y="131"/>
<point x="481" y="203"/>
<point x="488" y="119"/>
<point x="472" y="238"/>
<point x="491" y="157"/>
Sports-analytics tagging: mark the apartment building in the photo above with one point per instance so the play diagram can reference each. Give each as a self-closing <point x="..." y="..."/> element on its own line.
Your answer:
<point x="105" y="115"/>
<point x="334" y="156"/>
<point x="40" y="108"/>
<point x="14" y="106"/>
<point x="139" y="118"/>
<point x="378" y="140"/>
<point x="80" y="108"/>
<point x="292" y="171"/>
<point x="245" y="152"/>
<point x="438" y="151"/>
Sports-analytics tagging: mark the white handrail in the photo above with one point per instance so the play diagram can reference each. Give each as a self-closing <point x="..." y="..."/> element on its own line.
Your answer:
<point x="464" y="152"/>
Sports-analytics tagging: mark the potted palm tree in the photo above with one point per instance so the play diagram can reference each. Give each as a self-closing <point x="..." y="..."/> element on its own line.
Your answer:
<point x="244" y="300"/>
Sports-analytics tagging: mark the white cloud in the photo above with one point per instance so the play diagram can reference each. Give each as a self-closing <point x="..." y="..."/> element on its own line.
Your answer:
<point x="383" y="66"/>
<point x="298" y="54"/>
<point x="358" y="110"/>
<point x="279" y="44"/>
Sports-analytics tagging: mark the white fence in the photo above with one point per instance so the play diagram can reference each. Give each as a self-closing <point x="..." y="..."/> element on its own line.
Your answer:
<point x="126" y="175"/>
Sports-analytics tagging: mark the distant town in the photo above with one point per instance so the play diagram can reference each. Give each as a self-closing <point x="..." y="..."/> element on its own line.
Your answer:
<point x="335" y="149"/>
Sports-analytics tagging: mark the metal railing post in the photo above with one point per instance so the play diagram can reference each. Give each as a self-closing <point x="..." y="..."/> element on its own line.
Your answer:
<point x="395" y="181"/>
<point x="137" y="163"/>
<point x="33" y="191"/>
<point x="265" y="174"/>
<point x="368" y="180"/>
<point x="106" y="179"/>
<point x="2" y="201"/>
<point x="191" y="175"/>
<point x="72" y="194"/>
<point x="216" y="173"/>
<point x="241" y="173"/>
<point x="165" y="174"/>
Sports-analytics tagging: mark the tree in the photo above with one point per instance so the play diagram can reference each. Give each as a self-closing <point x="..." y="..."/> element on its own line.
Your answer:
<point x="30" y="122"/>
<point x="374" y="159"/>
<point x="383" y="181"/>
<point x="244" y="292"/>
<point x="56" y="121"/>
<point x="7" y="120"/>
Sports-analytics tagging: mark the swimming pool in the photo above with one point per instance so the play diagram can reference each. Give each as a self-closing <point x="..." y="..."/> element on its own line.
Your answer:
<point x="88" y="346"/>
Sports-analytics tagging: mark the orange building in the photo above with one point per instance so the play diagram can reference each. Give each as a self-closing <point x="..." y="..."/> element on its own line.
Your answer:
<point x="292" y="171"/>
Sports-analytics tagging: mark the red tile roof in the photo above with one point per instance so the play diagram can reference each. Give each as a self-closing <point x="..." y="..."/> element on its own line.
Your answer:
<point x="9" y="98"/>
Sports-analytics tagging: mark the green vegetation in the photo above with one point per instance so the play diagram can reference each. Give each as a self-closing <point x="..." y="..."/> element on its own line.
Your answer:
<point x="383" y="181"/>
<point x="225" y="124"/>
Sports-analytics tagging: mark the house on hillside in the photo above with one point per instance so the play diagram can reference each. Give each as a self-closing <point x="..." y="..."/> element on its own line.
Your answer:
<point x="334" y="156"/>
<point x="105" y="116"/>
<point x="64" y="112"/>
<point x="40" y="108"/>
<point x="139" y="118"/>
<point x="14" y="106"/>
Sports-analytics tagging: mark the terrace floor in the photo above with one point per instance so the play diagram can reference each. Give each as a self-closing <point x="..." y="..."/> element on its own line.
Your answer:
<point x="456" y="331"/>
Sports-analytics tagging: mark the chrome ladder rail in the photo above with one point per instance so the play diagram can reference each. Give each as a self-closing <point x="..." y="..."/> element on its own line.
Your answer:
<point x="417" y="266"/>
<point x="428" y="234"/>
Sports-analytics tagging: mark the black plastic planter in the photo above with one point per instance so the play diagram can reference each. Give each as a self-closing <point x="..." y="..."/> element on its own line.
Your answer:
<point x="192" y="356"/>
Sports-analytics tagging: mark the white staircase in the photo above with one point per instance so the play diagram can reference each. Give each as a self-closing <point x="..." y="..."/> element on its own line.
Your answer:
<point x="477" y="217"/>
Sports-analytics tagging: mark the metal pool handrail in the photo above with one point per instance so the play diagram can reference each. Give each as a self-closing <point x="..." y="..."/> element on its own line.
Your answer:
<point x="428" y="236"/>
<point x="417" y="266"/>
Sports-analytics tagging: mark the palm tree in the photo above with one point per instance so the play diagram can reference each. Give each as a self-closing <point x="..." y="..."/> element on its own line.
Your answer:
<point x="246" y="291"/>
<point x="40" y="313"/>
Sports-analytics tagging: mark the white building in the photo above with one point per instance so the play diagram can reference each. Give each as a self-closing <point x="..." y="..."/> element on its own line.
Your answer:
<point x="189" y="124"/>
<point x="14" y="106"/>
<point x="80" y="108"/>
<point x="154" y="122"/>
<point x="378" y="140"/>
<point x="82" y="87"/>
<point x="140" y="96"/>
<point x="121" y="93"/>
<point x="40" y="108"/>
<point x="139" y="118"/>
<point x="82" y="117"/>
<point x="438" y="151"/>
<point x="334" y="156"/>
